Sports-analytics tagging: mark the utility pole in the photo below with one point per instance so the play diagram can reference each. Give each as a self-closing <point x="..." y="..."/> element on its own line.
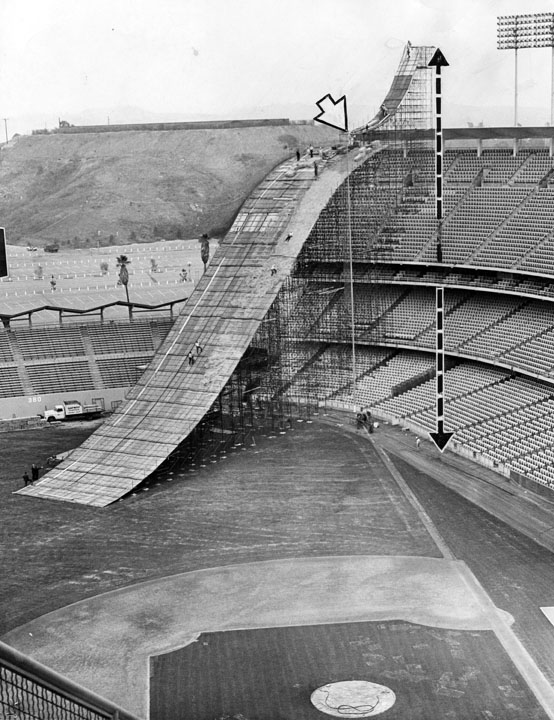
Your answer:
<point x="334" y="113"/>
<point x="6" y="129"/>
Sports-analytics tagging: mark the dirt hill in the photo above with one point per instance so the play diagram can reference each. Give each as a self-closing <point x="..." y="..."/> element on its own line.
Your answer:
<point x="109" y="188"/>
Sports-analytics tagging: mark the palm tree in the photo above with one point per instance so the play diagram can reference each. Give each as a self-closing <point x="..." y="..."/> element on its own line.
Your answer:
<point x="122" y="261"/>
<point x="205" y="250"/>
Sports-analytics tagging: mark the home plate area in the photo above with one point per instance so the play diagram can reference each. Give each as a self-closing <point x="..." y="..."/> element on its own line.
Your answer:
<point x="395" y="669"/>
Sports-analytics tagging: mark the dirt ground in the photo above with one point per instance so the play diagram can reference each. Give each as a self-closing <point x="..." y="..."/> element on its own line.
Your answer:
<point x="289" y="496"/>
<point x="319" y="493"/>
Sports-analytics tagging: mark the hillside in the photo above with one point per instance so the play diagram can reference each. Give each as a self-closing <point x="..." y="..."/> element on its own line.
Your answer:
<point x="109" y="188"/>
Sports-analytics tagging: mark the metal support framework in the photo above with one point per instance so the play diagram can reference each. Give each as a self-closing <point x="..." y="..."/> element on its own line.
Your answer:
<point x="333" y="307"/>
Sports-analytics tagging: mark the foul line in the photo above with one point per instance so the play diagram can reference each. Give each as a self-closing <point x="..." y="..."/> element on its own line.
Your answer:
<point x="412" y="499"/>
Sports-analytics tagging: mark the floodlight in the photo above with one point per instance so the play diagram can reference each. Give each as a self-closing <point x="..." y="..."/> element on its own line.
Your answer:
<point x="518" y="32"/>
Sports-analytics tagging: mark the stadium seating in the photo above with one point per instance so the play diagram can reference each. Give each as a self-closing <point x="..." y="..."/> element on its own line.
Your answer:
<point x="497" y="244"/>
<point x="521" y="233"/>
<point x="10" y="384"/>
<point x="328" y="375"/>
<point x="116" y="349"/>
<point x="60" y="377"/>
<point x="400" y="369"/>
<point x="137" y="337"/>
<point x="460" y="381"/>
<point x="121" y="371"/>
<point x="504" y="418"/>
<point x="6" y="354"/>
<point x="534" y="169"/>
<point x="38" y="343"/>
<point x="482" y="211"/>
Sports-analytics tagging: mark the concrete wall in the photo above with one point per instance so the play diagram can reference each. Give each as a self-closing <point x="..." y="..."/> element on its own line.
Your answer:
<point x="28" y="406"/>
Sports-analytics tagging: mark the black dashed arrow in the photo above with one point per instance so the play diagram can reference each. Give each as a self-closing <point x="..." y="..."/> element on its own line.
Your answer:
<point x="440" y="438"/>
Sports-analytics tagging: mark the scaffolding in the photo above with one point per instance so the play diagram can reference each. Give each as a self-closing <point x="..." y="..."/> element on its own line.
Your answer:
<point x="303" y="354"/>
<point x="275" y="348"/>
<point x="334" y="295"/>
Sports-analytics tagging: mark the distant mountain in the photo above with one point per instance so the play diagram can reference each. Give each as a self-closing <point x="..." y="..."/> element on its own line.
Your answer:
<point x="100" y="188"/>
<point x="454" y="115"/>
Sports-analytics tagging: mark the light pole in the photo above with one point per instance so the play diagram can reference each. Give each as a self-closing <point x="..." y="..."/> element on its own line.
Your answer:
<point x="518" y="32"/>
<point x="6" y="129"/>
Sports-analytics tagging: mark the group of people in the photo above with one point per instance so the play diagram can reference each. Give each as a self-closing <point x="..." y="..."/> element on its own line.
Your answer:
<point x="35" y="471"/>
<point x="311" y="153"/>
<point x="186" y="275"/>
<point x="191" y="356"/>
<point x="364" y="420"/>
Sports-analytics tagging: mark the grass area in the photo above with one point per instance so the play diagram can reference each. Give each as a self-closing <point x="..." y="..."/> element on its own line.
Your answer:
<point x="310" y="492"/>
<point x="270" y="673"/>
<point x="22" y="448"/>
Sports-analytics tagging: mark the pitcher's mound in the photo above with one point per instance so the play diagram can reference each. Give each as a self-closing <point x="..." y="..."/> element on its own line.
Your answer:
<point x="353" y="699"/>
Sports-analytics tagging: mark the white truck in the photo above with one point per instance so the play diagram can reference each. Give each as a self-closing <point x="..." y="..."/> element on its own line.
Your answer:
<point x="73" y="410"/>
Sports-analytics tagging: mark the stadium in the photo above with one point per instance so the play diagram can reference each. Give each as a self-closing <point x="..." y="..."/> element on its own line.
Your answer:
<point x="229" y="542"/>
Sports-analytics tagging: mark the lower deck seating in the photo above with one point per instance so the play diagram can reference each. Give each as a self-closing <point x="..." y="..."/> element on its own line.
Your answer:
<point x="121" y="372"/>
<point x="328" y="374"/>
<point x="6" y="354"/>
<point x="49" y="342"/>
<point x="72" y="357"/>
<point x="10" y="384"/>
<point x="400" y="369"/>
<point x="505" y="418"/>
<point x="60" y="377"/>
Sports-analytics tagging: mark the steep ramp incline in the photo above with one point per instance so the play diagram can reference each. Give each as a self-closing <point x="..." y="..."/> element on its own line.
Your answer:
<point x="407" y="93"/>
<point x="222" y="315"/>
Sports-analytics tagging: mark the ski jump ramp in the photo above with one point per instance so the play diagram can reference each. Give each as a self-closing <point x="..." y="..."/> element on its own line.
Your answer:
<point x="222" y="315"/>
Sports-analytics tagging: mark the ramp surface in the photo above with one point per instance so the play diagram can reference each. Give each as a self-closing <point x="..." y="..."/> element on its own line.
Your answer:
<point x="222" y="315"/>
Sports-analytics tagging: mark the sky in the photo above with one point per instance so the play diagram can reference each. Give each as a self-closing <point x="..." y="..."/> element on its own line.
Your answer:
<point x="150" y="60"/>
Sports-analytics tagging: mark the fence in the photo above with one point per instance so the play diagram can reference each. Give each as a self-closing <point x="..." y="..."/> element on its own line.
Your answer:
<point x="31" y="691"/>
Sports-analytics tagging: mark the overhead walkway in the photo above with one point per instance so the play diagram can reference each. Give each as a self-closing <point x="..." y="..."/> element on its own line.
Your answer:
<point x="222" y="315"/>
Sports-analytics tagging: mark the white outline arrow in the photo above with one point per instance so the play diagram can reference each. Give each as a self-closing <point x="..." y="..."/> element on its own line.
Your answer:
<point x="336" y="115"/>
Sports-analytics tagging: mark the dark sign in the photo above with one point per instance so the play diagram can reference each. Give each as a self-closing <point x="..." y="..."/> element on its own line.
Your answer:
<point x="3" y="256"/>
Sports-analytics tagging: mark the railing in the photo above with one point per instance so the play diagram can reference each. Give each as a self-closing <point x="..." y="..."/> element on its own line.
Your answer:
<point x="6" y="318"/>
<point x="31" y="691"/>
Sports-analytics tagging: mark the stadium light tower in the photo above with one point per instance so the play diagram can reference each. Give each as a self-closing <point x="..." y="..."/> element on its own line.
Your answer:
<point x="518" y="32"/>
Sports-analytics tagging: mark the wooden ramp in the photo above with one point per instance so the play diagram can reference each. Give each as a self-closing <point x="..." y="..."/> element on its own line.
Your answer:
<point x="222" y="315"/>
